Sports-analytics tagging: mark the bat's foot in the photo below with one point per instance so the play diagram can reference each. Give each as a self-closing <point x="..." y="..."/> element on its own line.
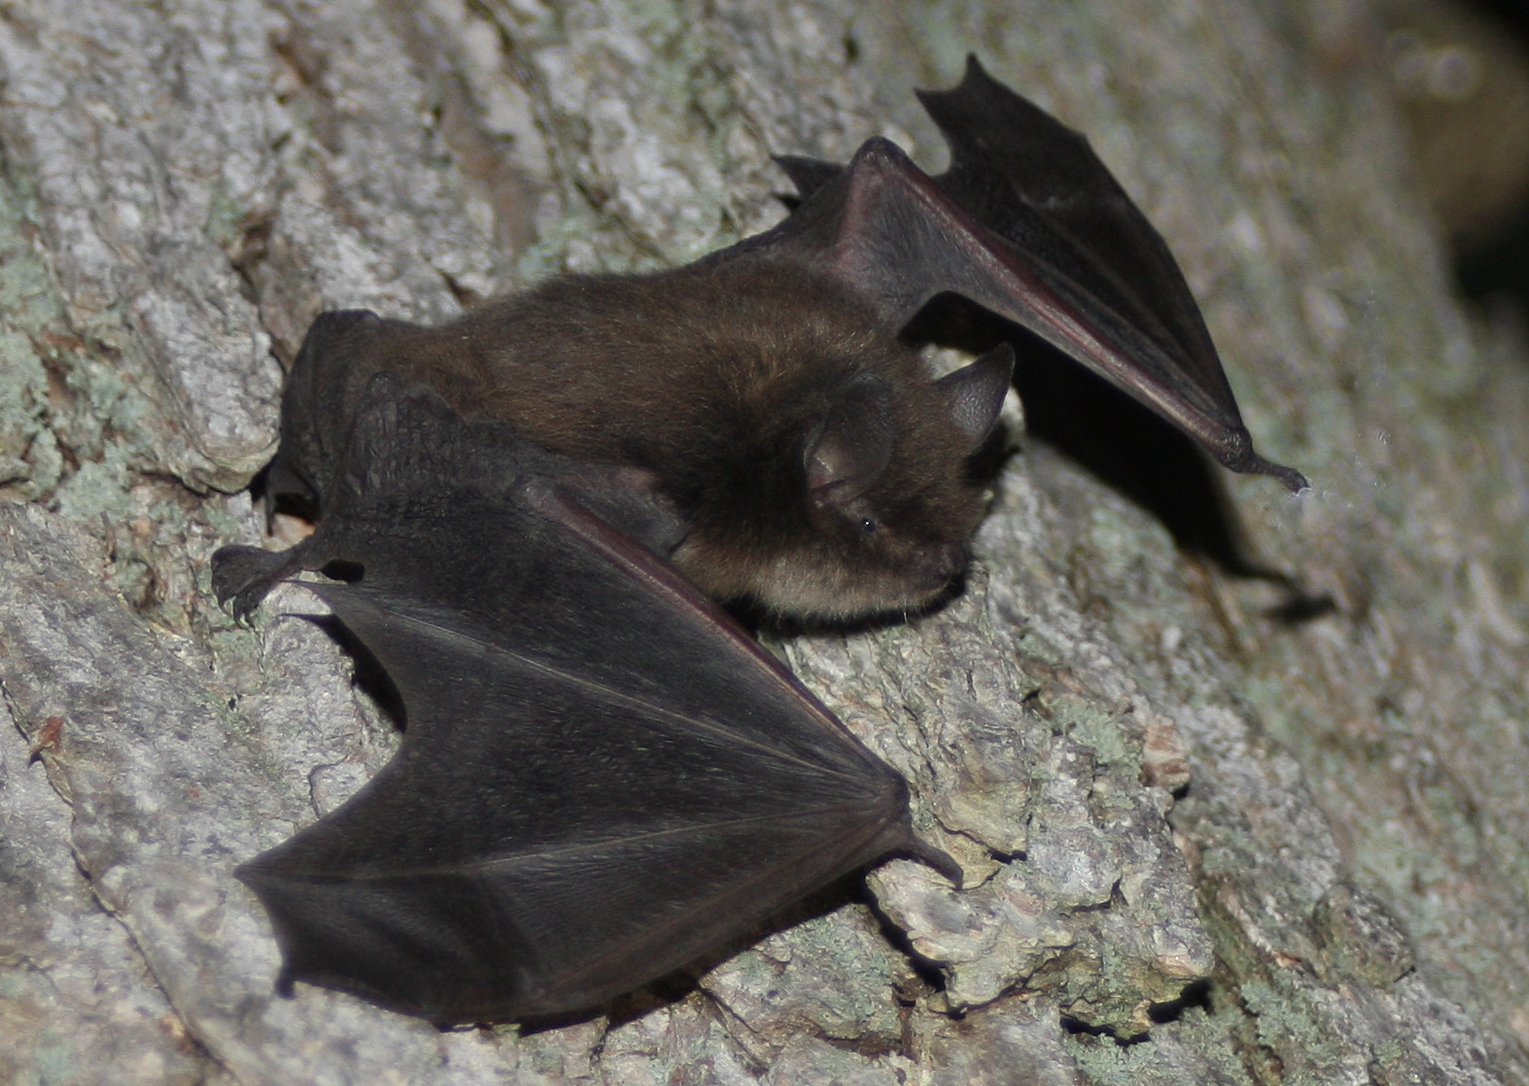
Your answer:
<point x="243" y="576"/>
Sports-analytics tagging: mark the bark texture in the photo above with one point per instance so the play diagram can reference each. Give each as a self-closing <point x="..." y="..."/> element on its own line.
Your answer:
<point x="1217" y="828"/>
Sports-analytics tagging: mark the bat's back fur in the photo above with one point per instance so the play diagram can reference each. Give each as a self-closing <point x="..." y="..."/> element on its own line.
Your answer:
<point x="717" y="380"/>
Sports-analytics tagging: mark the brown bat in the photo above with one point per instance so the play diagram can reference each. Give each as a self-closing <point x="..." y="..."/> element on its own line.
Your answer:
<point x="765" y="387"/>
<point x="817" y="468"/>
<point x="602" y="778"/>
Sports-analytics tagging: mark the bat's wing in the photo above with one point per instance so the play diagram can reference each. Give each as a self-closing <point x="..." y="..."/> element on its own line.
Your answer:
<point x="1028" y="223"/>
<point x="602" y="777"/>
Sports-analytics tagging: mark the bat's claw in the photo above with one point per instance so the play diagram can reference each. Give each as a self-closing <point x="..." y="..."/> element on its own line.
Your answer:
<point x="1294" y="481"/>
<point x="936" y="858"/>
<point x="1248" y="462"/>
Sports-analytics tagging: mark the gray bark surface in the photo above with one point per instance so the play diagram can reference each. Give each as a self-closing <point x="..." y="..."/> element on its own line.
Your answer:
<point x="1204" y="843"/>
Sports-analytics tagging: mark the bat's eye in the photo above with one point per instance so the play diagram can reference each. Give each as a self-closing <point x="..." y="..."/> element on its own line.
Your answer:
<point x="868" y="525"/>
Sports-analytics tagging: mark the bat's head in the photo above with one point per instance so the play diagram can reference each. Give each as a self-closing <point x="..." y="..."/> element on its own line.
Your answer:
<point x="870" y="507"/>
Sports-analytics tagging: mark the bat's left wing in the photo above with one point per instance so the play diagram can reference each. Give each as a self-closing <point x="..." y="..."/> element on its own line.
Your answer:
<point x="1029" y="224"/>
<point x="602" y="776"/>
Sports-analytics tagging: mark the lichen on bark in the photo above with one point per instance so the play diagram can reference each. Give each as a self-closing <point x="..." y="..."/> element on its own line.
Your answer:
<point x="1264" y="830"/>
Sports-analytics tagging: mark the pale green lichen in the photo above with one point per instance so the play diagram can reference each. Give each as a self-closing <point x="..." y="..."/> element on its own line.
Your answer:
<point x="30" y="464"/>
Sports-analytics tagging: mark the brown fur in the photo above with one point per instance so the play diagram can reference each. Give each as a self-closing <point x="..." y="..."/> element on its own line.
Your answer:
<point x="715" y="379"/>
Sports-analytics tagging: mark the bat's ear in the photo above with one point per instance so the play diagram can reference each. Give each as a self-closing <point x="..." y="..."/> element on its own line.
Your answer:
<point x="974" y="394"/>
<point x="853" y="446"/>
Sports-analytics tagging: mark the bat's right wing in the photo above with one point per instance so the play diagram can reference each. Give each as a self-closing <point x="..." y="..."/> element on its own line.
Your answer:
<point x="1029" y="224"/>
<point x="602" y="777"/>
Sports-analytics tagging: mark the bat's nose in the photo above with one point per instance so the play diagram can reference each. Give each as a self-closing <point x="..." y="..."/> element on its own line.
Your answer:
<point x="938" y="563"/>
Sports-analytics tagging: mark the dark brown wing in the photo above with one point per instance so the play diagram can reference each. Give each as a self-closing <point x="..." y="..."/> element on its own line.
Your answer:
<point x="1029" y="224"/>
<point x="602" y="776"/>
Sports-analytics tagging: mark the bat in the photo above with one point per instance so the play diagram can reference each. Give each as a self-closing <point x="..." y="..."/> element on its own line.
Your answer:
<point x="765" y="387"/>
<point x="532" y="507"/>
<point x="559" y="826"/>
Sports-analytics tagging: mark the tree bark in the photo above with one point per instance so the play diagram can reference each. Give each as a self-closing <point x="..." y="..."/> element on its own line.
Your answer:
<point x="1218" y="826"/>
